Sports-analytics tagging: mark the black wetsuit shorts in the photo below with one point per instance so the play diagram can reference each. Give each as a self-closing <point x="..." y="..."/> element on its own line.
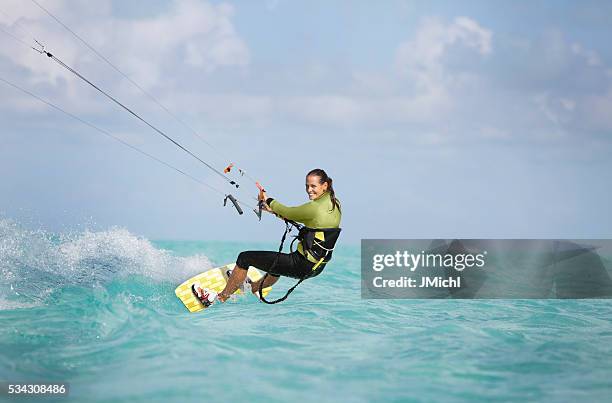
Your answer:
<point x="293" y="265"/>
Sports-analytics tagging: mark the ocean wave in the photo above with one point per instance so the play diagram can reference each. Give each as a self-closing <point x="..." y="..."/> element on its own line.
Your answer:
<point x="34" y="263"/>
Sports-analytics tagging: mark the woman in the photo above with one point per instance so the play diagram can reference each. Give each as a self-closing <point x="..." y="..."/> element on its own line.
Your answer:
<point x="321" y="217"/>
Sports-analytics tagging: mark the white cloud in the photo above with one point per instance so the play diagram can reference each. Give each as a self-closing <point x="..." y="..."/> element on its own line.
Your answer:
<point x="421" y="58"/>
<point x="568" y="104"/>
<point x="591" y="57"/>
<point x="145" y="49"/>
<point x="149" y="49"/>
<point x="328" y="110"/>
<point x="375" y="99"/>
<point x="570" y="85"/>
<point x="596" y="109"/>
<point x="471" y="33"/>
<point x="421" y="89"/>
<point x="550" y="108"/>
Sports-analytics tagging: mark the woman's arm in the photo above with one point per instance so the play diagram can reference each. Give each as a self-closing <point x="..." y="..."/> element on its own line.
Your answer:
<point x="300" y="213"/>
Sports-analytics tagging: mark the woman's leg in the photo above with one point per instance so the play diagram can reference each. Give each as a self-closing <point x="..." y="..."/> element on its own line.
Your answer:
<point x="237" y="278"/>
<point x="270" y="280"/>
<point x="271" y="262"/>
<point x="233" y="282"/>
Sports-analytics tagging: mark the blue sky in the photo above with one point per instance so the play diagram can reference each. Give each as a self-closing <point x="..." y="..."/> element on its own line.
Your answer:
<point x="435" y="119"/>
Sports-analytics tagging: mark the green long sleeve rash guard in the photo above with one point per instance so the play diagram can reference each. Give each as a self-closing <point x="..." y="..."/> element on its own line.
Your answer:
<point x="317" y="213"/>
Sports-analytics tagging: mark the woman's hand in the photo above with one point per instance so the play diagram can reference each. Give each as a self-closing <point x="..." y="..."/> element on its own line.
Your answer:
<point x="264" y="205"/>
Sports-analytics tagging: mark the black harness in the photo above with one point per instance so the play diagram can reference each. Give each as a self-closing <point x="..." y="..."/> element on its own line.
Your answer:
<point x="317" y="248"/>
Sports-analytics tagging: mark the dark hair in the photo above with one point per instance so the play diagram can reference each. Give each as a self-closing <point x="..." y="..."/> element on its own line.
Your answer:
<point x="324" y="178"/>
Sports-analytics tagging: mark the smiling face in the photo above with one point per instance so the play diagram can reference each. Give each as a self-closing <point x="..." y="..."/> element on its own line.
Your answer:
<point x="314" y="187"/>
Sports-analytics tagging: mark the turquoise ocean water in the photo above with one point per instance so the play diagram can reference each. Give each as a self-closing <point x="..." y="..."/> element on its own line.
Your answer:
<point x="98" y="310"/>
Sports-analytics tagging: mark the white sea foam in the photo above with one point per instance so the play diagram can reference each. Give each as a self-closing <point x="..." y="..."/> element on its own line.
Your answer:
<point x="34" y="262"/>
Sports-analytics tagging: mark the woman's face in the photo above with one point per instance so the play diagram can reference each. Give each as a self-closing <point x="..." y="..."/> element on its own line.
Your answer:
<point x="314" y="187"/>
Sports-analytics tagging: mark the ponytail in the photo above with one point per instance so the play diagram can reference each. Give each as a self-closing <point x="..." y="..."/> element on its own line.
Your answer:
<point x="324" y="178"/>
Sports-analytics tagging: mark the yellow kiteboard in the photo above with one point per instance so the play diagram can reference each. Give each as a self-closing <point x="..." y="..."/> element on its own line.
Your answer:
<point x="213" y="279"/>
